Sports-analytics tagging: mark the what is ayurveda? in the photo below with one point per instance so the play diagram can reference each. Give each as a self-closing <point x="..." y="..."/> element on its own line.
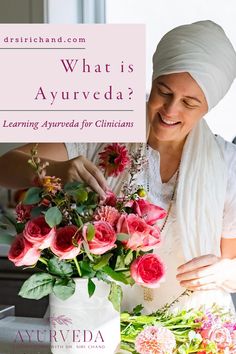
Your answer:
<point x="74" y="124"/>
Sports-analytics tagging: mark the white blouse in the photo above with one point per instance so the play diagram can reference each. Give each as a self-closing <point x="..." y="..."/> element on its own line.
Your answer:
<point x="170" y="250"/>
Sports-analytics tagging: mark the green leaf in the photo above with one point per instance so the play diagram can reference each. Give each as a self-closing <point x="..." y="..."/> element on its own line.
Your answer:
<point x="32" y="196"/>
<point x="129" y="258"/>
<point x="115" y="296"/>
<point x="122" y="237"/>
<point x="90" y="233"/>
<point x="37" y="211"/>
<point x="20" y="227"/>
<point x="91" y="287"/>
<point x="53" y="216"/>
<point x="60" y="267"/>
<point x="87" y="251"/>
<point x="72" y="186"/>
<point x="103" y="261"/>
<point x="37" y="286"/>
<point x="81" y="195"/>
<point x="64" y="288"/>
<point x="86" y="269"/>
<point x="137" y="310"/>
<point x="115" y="275"/>
<point x="6" y="238"/>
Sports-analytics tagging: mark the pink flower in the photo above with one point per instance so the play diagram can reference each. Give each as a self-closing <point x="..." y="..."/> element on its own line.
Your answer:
<point x="142" y="236"/>
<point x="22" y="253"/>
<point x="108" y="214"/>
<point x="147" y="211"/>
<point x="111" y="199"/>
<point x="39" y="233"/>
<point x="221" y="336"/>
<point x="23" y="212"/>
<point x="114" y="159"/>
<point x="147" y="270"/>
<point x="155" y="340"/>
<point x="104" y="238"/>
<point x="62" y="243"/>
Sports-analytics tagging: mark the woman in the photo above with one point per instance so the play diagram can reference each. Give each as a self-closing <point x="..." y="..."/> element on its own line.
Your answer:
<point x="191" y="172"/>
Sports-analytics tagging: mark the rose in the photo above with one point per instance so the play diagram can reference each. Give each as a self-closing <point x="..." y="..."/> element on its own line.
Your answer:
<point x="104" y="238"/>
<point x="141" y="235"/>
<point x="39" y="233"/>
<point x="23" y="212"/>
<point x="22" y="253"/>
<point x="147" y="270"/>
<point x="147" y="211"/>
<point x="62" y="244"/>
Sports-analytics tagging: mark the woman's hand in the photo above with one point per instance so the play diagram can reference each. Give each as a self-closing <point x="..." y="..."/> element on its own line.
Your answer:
<point x="207" y="273"/>
<point x="80" y="169"/>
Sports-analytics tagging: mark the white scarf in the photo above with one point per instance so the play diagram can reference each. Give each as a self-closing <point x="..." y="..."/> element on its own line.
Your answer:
<point x="201" y="192"/>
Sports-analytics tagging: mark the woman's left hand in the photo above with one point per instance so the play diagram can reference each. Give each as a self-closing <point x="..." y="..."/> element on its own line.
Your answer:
<point x="207" y="273"/>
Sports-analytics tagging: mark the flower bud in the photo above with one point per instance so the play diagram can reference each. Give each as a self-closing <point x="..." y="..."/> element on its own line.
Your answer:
<point x="141" y="192"/>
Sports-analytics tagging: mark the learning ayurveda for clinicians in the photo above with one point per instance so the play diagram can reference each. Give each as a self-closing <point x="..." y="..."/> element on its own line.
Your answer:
<point x="80" y="124"/>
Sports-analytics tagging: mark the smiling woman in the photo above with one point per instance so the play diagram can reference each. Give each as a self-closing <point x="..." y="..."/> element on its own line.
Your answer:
<point x="191" y="172"/>
<point x="175" y="106"/>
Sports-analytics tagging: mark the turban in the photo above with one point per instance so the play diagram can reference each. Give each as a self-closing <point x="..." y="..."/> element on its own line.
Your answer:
<point x="204" y="51"/>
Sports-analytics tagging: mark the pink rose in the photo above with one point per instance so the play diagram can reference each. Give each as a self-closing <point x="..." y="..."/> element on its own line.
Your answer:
<point x="147" y="270"/>
<point x="23" y="212"/>
<point x="62" y="243"/>
<point x="22" y="252"/>
<point x="143" y="237"/>
<point x="104" y="238"/>
<point x="147" y="211"/>
<point x="39" y="233"/>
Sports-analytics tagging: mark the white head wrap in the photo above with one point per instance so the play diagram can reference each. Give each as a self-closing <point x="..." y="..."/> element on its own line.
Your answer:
<point x="204" y="51"/>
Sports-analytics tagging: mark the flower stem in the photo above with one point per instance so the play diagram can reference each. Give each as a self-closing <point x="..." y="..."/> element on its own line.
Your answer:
<point x="77" y="267"/>
<point x="43" y="260"/>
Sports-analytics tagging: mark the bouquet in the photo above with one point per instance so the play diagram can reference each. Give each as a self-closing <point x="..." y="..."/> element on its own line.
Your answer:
<point x="66" y="232"/>
<point x="164" y="332"/>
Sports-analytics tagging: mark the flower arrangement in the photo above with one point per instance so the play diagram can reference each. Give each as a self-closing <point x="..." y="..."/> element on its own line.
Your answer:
<point x="164" y="332"/>
<point x="66" y="232"/>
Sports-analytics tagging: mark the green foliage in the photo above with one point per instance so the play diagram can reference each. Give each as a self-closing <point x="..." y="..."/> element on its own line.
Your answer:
<point x="90" y="232"/>
<point x="103" y="261"/>
<point x="118" y="276"/>
<point x="32" y="196"/>
<point x="86" y="269"/>
<point x="64" y="288"/>
<point x="37" y="286"/>
<point x="91" y="287"/>
<point x="122" y="237"/>
<point x="59" y="267"/>
<point x="115" y="296"/>
<point x="53" y="216"/>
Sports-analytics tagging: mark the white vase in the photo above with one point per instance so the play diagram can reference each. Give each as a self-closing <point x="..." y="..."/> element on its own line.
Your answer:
<point x="84" y="325"/>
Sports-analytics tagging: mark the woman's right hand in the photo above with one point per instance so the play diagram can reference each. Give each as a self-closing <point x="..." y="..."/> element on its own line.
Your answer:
<point x="81" y="169"/>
